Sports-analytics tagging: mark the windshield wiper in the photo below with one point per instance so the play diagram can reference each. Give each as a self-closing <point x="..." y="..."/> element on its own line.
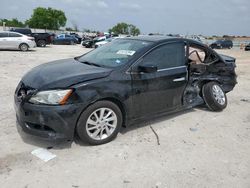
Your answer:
<point x="88" y="63"/>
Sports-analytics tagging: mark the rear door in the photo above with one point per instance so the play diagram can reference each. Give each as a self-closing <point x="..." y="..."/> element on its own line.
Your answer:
<point x="162" y="90"/>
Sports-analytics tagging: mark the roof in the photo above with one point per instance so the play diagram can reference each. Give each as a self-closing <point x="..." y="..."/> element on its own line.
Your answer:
<point x="154" y="38"/>
<point x="9" y="32"/>
<point x="160" y="38"/>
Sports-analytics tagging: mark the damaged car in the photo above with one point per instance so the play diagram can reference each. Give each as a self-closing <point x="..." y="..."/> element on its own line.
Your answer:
<point x="120" y="84"/>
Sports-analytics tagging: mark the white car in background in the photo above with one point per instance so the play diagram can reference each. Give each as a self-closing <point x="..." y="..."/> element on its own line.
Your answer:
<point x="13" y="40"/>
<point x="101" y="43"/>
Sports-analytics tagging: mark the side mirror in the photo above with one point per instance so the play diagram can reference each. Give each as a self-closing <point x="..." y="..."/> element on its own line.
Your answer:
<point x="147" y="68"/>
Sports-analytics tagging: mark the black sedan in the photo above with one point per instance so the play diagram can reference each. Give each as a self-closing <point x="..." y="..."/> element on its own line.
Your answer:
<point x="222" y="44"/>
<point x="125" y="81"/>
<point x="247" y="47"/>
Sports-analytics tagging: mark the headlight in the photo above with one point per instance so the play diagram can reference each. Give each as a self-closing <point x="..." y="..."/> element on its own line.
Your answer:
<point x="59" y="97"/>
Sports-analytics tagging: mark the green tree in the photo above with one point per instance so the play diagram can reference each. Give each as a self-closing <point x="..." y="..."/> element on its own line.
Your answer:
<point x="124" y="28"/>
<point x="12" y="23"/>
<point x="47" y="18"/>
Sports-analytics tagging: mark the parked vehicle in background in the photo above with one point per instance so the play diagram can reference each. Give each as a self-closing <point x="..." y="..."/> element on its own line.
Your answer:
<point x="65" y="39"/>
<point x="13" y="40"/>
<point x="91" y="43"/>
<point x="220" y="44"/>
<point x="120" y="84"/>
<point x="87" y="42"/>
<point x="194" y="37"/>
<point x="79" y="39"/>
<point x="24" y="31"/>
<point x="101" y="43"/>
<point x="41" y="39"/>
<point x="247" y="47"/>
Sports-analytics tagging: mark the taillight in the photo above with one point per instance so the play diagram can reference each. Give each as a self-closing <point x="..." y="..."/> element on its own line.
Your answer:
<point x="51" y="38"/>
<point x="31" y="38"/>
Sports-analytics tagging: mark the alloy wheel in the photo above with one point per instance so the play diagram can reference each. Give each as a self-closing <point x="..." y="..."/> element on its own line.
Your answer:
<point x="101" y="123"/>
<point x="218" y="94"/>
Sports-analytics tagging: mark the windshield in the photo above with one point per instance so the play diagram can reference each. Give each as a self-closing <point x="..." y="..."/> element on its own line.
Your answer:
<point x="115" y="53"/>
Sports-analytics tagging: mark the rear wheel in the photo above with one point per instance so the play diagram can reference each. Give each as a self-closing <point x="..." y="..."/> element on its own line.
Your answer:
<point x="99" y="123"/>
<point x="41" y="43"/>
<point x="214" y="96"/>
<point x="24" y="47"/>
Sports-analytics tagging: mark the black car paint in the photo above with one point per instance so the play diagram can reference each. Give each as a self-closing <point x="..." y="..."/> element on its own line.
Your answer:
<point x="138" y="95"/>
<point x="62" y="74"/>
<point x="247" y="47"/>
<point x="220" y="44"/>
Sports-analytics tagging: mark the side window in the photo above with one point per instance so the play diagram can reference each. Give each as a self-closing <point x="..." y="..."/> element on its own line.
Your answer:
<point x="166" y="56"/>
<point x="14" y="35"/>
<point x="196" y="55"/>
<point x="3" y="35"/>
<point x="199" y="55"/>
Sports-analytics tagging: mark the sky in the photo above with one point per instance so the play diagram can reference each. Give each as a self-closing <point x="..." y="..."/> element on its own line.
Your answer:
<point x="211" y="17"/>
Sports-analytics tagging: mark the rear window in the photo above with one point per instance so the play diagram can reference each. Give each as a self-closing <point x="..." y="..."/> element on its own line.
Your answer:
<point x="14" y="35"/>
<point x="23" y="31"/>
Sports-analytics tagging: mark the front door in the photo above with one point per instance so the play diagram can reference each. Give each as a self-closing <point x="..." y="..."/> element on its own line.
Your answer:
<point x="161" y="90"/>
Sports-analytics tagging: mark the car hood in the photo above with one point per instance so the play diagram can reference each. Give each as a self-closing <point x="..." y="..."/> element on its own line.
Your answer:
<point x="62" y="74"/>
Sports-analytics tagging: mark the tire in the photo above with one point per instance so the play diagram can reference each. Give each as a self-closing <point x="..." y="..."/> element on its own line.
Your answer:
<point x="214" y="97"/>
<point x="24" y="47"/>
<point x="71" y="42"/>
<point x="41" y="43"/>
<point x="97" y="131"/>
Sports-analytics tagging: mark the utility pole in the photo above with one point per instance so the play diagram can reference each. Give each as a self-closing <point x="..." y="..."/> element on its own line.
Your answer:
<point x="4" y="25"/>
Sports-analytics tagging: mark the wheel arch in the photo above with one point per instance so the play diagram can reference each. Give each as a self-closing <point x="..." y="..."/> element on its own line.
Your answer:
<point x="39" y="40"/>
<point x="207" y="80"/>
<point x="114" y="100"/>
<point x="22" y="44"/>
<point x="120" y="105"/>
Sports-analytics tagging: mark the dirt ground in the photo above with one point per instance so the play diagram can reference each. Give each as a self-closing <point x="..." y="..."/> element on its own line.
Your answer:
<point x="198" y="148"/>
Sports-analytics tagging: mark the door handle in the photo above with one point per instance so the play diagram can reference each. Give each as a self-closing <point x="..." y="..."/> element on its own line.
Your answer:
<point x="179" y="79"/>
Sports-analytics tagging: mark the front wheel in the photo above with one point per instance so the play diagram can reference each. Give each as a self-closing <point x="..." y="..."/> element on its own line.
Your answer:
<point x="41" y="43"/>
<point x="99" y="123"/>
<point x="214" y="96"/>
<point x="24" y="47"/>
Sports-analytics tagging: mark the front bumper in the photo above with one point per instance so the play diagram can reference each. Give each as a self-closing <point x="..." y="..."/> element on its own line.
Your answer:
<point x="55" y="123"/>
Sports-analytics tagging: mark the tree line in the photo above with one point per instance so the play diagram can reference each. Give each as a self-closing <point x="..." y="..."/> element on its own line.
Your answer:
<point x="53" y="19"/>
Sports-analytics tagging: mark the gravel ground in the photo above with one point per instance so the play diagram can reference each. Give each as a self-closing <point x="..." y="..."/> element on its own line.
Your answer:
<point x="198" y="148"/>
